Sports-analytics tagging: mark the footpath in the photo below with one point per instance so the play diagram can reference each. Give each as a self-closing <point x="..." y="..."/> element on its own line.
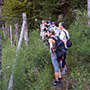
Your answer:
<point x="66" y="82"/>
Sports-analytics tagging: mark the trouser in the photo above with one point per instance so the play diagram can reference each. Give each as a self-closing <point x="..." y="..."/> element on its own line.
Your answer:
<point x="55" y="62"/>
<point x="63" y="61"/>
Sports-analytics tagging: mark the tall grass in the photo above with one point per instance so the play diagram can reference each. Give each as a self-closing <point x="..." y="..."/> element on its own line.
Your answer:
<point x="79" y="53"/>
<point x="33" y="70"/>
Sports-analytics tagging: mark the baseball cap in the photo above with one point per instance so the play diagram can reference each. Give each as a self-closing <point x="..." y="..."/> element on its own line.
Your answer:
<point x="49" y="21"/>
<point x="54" y="23"/>
<point x="51" y="30"/>
<point x="63" y="24"/>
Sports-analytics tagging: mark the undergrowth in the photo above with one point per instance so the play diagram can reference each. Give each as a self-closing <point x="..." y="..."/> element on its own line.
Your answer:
<point x="33" y="69"/>
<point x="78" y="57"/>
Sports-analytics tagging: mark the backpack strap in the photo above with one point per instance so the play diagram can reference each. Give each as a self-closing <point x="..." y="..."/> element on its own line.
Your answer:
<point x="55" y="38"/>
<point x="65" y="34"/>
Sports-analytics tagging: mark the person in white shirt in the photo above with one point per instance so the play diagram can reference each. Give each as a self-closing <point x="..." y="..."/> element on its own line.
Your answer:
<point x="64" y="39"/>
<point x="56" y="29"/>
<point x="42" y="29"/>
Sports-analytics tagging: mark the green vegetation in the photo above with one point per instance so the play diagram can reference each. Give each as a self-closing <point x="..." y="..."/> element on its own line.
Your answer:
<point x="79" y="53"/>
<point x="40" y="9"/>
<point x="33" y="68"/>
<point x="34" y="9"/>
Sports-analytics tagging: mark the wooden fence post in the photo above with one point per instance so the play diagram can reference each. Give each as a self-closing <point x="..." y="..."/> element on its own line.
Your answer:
<point x="10" y="85"/>
<point x="3" y="28"/>
<point x="17" y="35"/>
<point x="11" y="36"/>
<point x="22" y="30"/>
<point x="26" y="33"/>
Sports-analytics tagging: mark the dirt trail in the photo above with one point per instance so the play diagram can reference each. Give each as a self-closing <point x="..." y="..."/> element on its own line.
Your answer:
<point x="66" y="82"/>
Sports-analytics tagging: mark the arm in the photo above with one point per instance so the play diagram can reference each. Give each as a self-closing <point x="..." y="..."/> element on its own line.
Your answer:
<point x="63" y="41"/>
<point x="62" y="36"/>
<point x="45" y="35"/>
<point x="51" y="45"/>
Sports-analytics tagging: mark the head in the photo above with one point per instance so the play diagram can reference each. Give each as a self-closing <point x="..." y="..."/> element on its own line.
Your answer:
<point x="61" y="25"/>
<point x="42" y="21"/>
<point x="49" y="22"/>
<point x="45" y="22"/>
<point x="54" y="24"/>
<point x="50" y="32"/>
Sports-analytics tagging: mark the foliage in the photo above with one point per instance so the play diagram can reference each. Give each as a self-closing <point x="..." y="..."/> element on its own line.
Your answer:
<point x="32" y="68"/>
<point x="8" y="57"/>
<point x="34" y="9"/>
<point x="79" y="54"/>
<point x="40" y="9"/>
<point x="81" y="76"/>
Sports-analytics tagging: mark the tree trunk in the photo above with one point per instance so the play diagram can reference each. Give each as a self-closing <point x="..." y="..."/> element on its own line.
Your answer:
<point x="88" y="12"/>
<point x="11" y="36"/>
<point x="22" y="30"/>
<point x="4" y="35"/>
<point x="17" y="35"/>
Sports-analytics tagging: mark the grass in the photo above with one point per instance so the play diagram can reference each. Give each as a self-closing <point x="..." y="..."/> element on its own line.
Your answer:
<point x="33" y="68"/>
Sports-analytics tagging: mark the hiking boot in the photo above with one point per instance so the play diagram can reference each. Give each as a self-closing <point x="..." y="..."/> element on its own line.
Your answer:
<point x="56" y="83"/>
<point x="53" y="82"/>
<point x="59" y="79"/>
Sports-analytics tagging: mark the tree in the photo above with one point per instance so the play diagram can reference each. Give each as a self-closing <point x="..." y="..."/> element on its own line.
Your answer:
<point x="40" y="9"/>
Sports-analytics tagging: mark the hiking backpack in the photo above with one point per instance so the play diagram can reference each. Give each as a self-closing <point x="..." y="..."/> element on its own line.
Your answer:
<point x="69" y="42"/>
<point x="59" y="47"/>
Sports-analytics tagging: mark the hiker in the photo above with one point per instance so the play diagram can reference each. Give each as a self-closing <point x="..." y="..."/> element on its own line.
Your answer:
<point x="64" y="39"/>
<point x="56" y="29"/>
<point x="49" y="24"/>
<point x="51" y="34"/>
<point x="42" y="29"/>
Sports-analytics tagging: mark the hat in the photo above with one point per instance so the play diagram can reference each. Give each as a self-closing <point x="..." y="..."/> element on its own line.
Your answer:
<point x="49" y="21"/>
<point x="54" y="23"/>
<point x="51" y="31"/>
<point x="62" y="23"/>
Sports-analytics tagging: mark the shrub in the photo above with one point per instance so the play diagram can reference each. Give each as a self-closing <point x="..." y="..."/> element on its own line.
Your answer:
<point x="79" y="53"/>
<point x="33" y="69"/>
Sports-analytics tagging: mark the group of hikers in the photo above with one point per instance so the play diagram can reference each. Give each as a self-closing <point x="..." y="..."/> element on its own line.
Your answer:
<point x="57" y="38"/>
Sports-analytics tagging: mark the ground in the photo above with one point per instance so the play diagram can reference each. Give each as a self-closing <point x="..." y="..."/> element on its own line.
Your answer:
<point x="66" y="82"/>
